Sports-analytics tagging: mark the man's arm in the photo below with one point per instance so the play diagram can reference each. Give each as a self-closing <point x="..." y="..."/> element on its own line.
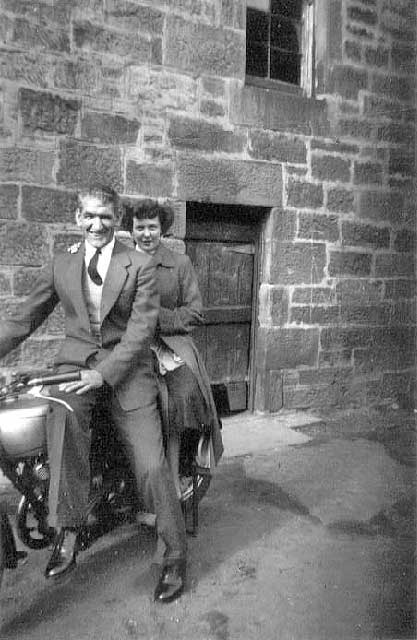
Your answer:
<point x="16" y="327"/>
<point x="139" y="332"/>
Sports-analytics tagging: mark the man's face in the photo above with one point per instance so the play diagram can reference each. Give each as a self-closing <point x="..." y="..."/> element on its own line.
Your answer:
<point x="97" y="220"/>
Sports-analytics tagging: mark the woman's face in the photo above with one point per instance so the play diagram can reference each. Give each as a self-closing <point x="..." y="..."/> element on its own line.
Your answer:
<point x="147" y="233"/>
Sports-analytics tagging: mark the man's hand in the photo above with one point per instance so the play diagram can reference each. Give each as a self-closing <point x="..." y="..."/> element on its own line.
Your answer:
<point x="90" y="379"/>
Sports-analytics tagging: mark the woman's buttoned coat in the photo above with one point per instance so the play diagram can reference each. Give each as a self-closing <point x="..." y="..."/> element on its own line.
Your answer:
<point x="180" y="312"/>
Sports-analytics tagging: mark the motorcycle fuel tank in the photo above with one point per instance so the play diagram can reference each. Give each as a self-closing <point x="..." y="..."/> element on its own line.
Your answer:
<point x="22" y="426"/>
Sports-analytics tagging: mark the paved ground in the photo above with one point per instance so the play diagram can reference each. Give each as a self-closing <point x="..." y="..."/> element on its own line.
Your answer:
<point x="307" y="533"/>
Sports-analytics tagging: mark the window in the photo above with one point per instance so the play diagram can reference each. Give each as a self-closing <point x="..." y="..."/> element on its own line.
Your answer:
<point x="279" y="41"/>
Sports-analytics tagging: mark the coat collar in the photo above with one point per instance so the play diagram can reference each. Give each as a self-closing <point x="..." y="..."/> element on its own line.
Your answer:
<point x="163" y="256"/>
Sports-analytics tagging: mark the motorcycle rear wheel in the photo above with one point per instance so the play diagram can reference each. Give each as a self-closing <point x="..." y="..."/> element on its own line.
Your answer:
<point x="29" y="526"/>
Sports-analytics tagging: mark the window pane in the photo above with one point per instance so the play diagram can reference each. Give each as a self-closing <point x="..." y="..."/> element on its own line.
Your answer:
<point x="287" y="8"/>
<point x="257" y="26"/>
<point x="284" y="34"/>
<point x="256" y="60"/>
<point x="285" y="66"/>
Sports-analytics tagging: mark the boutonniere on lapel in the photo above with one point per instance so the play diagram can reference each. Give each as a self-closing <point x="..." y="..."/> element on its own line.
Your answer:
<point x="74" y="247"/>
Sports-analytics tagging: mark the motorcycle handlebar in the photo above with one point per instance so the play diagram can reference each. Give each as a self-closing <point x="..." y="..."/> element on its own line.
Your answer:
<point x="57" y="378"/>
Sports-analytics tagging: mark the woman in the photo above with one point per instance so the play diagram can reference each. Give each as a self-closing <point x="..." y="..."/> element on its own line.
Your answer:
<point x="190" y="401"/>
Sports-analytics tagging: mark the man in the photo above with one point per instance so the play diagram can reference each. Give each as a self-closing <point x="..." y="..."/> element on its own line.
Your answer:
<point x="108" y="297"/>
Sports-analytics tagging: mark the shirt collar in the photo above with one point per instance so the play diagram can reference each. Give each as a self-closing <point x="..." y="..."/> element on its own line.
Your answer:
<point x="106" y="251"/>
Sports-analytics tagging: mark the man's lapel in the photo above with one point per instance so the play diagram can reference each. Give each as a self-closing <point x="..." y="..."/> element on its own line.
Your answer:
<point x="74" y="278"/>
<point x="115" y="278"/>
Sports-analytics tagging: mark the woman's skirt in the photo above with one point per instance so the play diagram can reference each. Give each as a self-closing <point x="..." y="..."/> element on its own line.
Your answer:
<point x="186" y="405"/>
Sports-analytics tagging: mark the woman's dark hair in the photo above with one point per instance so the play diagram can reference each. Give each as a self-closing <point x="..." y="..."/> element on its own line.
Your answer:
<point x="147" y="209"/>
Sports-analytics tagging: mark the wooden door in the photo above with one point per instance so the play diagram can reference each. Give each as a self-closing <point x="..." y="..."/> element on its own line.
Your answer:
<point x="223" y="252"/>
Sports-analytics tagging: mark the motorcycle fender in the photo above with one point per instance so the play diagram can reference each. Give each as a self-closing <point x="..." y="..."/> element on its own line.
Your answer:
<point x="8" y="542"/>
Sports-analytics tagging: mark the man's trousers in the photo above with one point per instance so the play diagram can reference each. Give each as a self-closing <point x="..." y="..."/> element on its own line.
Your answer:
<point x="69" y="438"/>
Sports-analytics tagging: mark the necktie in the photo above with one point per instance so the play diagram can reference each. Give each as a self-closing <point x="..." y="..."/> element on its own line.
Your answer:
<point x="92" y="269"/>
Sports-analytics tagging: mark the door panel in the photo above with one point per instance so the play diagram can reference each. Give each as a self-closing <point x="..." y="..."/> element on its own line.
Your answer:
<point x="225" y="275"/>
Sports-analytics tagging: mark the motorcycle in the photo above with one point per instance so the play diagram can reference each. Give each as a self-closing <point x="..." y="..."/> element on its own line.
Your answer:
<point x="114" y="497"/>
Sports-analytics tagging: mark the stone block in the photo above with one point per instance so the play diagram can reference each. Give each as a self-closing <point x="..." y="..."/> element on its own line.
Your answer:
<point x="129" y="16"/>
<point x="81" y="164"/>
<point x="401" y="161"/>
<point x="405" y="240"/>
<point x="77" y="75"/>
<point x="395" y="87"/>
<point x="403" y="312"/>
<point x="297" y="263"/>
<point x="356" y="128"/>
<point x="27" y="67"/>
<point x="198" y="48"/>
<point x="365" y="15"/>
<point x="377" y="107"/>
<point x="396" y="133"/>
<point x="382" y="206"/>
<point x="158" y="90"/>
<point x="229" y="181"/>
<point x="304" y="194"/>
<point x="360" y="235"/>
<point x="41" y="111"/>
<point x="48" y="205"/>
<point x="281" y="225"/>
<point x="151" y="180"/>
<point x="311" y="315"/>
<point x="189" y="133"/>
<point x="233" y="14"/>
<point x="365" y="314"/>
<point x="287" y="348"/>
<point x="92" y="37"/>
<point x="39" y="12"/>
<point x="279" y="305"/>
<point x="24" y="279"/>
<point x="391" y="265"/>
<point x="349" y="263"/>
<point x="107" y="128"/>
<point x="313" y="295"/>
<point x="212" y="109"/>
<point x="9" y="196"/>
<point x="367" y="173"/>
<point x="354" y="291"/>
<point x="264" y="145"/>
<point x="275" y="110"/>
<point x="330" y="168"/>
<point x="377" y="57"/>
<point x="26" y="165"/>
<point x="22" y="244"/>
<point x="399" y="289"/>
<point x="403" y="58"/>
<point x="342" y="358"/>
<point x="37" y="352"/>
<point x="5" y="284"/>
<point x="353" y="51"/>
<point x="347" y="81"/>
<point x="340" y="200"/>
<point x="40" y="36"/>
<point x="318" y="227"/>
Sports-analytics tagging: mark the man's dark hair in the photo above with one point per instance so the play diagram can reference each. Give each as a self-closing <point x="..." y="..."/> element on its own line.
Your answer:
<point x="107" y="195"/>
<point x="147" y="209"/>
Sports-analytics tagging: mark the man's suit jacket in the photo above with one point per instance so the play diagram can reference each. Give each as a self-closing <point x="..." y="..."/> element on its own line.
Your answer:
<point x="129" y="312"/>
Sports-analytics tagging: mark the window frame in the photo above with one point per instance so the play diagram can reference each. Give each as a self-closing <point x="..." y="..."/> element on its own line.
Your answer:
<point x="306" y="85"/>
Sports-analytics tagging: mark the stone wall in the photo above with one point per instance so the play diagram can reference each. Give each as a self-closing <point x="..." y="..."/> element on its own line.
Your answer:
<point x="151" y="97"/>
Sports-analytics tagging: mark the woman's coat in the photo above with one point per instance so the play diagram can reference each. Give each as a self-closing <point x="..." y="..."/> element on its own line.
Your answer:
<point x="180" y="313"/>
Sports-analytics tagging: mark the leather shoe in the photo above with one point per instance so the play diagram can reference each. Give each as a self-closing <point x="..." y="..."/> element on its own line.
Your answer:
<point x="64" y="554"/>
<point x="171" y="583"/>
